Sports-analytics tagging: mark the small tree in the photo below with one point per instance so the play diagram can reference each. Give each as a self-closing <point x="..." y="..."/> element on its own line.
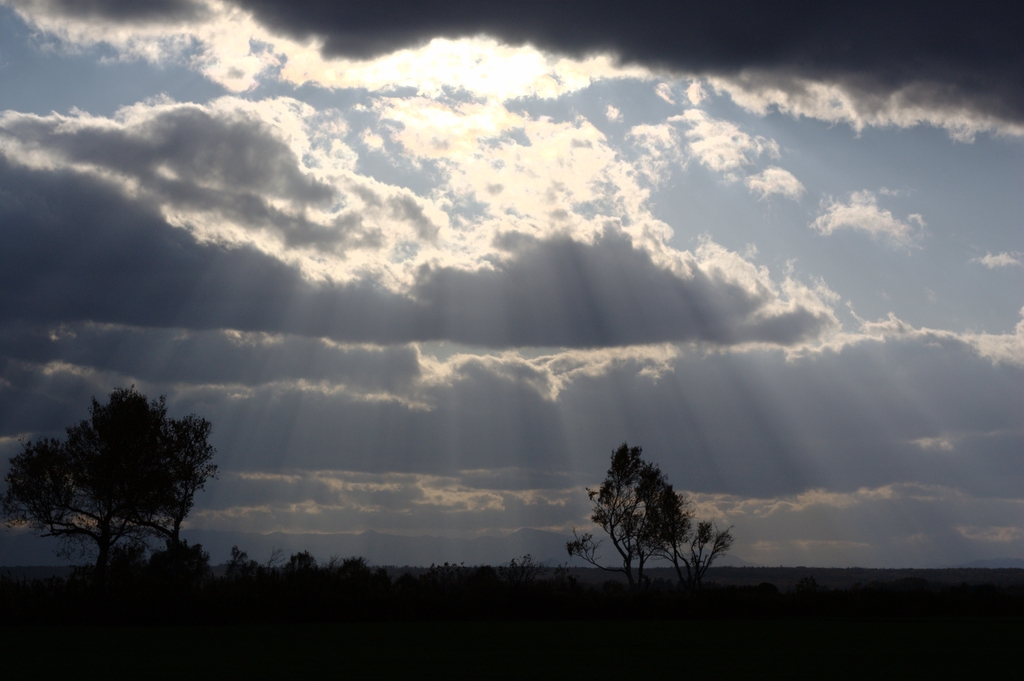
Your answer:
<point x="300" y="563"/>
<point x="120" y="477"/>
<point x="240" y="565"/>
<point x="625" y="506"/>
<point x="645" y="517"/>
<point x="520" y="572"/>
<point x="696" y="551"/>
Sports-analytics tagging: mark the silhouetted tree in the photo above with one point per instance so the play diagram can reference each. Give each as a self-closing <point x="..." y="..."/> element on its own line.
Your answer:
<point x="807" y="585"/>
<point x="645" y="517"/>
<point x="675" y="517"/>
<point x="696" y="551"/>
<point x="446" y="578"/>
<point x="186" y="466"/>
<point x="689" y="548"/>
<point x="300" y="563"/>
<point x="240" y="565"/>
<point x="122" y="476"/>
<point x="354" y="568"/>
<point x="520" y="572"/>
<point x="625" y="506"/>
<point x="276" y="558"/>
<point x="187" y="565"/>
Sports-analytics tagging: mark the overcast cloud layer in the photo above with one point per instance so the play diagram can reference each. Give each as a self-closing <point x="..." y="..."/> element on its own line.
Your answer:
<point x="424" y="267"/>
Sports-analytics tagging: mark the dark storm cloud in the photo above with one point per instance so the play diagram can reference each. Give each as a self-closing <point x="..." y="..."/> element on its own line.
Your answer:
<point x="78" y="251"/>
<point x="193" y="159"/>
<point x="968" y="52"/>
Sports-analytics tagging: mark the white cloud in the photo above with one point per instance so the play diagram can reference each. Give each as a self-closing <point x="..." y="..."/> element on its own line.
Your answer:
<point x="480" y="65"/>
<point x="941" y="443"/>
<point x="536" y="176"/>
<point x="775" y="180"/>
<point x="1002" y="348"/>
<point x="1005" y="259"/>
<point x="909" y="106"/>
<point x="718" y="144"/>
<point x="664" y="90"/>
<point x="661" y="150"/>
<point x="999" y="348"/>
<point x="862" y="213"/>
<point x="613" y="114"/>
<point x="721" y="145"/>
<point x="695" y="92"/>
<point x="219" y="40"/>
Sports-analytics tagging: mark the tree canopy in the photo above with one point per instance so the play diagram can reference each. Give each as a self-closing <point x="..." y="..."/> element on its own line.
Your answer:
<point x="125" y="475"/>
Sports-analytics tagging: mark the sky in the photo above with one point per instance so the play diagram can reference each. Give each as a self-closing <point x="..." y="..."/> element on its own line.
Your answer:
<point x="424" y="266"/>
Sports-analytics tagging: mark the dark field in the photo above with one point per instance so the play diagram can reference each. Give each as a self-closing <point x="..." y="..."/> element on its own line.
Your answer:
<point x="524" y="650"/>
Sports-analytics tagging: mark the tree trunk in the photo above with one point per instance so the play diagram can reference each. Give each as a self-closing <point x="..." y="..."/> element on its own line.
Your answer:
<point x="174" y="545"/>
<point x="103" y="557"/>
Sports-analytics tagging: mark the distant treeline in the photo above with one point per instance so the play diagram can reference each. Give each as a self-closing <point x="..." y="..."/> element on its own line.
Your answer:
<point x="137" y="591"/>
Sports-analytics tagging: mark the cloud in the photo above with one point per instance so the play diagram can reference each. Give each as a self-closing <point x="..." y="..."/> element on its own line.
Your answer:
<point x="721" y="145"/>
<point x="906" y="525"/>
<point x="212" y="37"/>
<point x="324" y="500"/>
<point x="81" y="251"/>
<point x="664" y="91"/>
<point x="661" y="149"/>
<point x="562" y="293"/>
<point x="718" y="144"/>
<point x="479" y="65"/>
<point x="529" y="265"/>
<point x="1005" y="348"/>
<point x="775" y="180"/>
<point x="862" y="213"/>
<point x="829" y="446"/>
<point x="120" y="11"/>
<point x="227" y="45"/>
<point x="695" y="92"/>
<point x="94" y="255"/>
<point x="1005" y="259"/>
<point x="862" y="102"/>
<point x="213" y="357"/>
<point x="934" y="443"/>
<point x="754" y="424"/>
<point x="449" y="299"/>
<point x="941" y="61"/>
<point x="997" y="534"/>
<point x="263" y="174"/>
<point x="943" y="68"/>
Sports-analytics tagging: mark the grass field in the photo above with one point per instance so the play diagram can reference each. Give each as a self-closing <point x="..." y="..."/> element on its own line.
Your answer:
<point x="524" y="650"/>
